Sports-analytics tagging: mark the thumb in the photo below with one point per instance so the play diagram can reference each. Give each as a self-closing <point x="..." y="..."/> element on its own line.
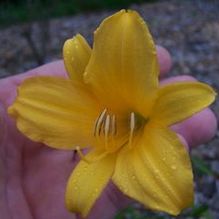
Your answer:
<point x="3" y="198"/>
<point x="2" y="126"/>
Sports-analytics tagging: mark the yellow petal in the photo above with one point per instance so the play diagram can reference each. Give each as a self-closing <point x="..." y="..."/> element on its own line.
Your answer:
<point x="179" y="101"/>
<point x="76" y="54"/>
<point x="158" y="172"/>
<point x="55" y="111"/>
<point x="87" y="182"/>
<point x="123" y="67"/>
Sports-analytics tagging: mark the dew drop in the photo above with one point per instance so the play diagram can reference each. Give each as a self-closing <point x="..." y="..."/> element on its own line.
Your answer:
<point x="133" y="177"/>
<point x="120" y="187"/>
<point x="85" y="167"/>
<point x="164" y="159"/>
<point x="123" y="176"/>
<point x="125" y="190"/>
<point x="173" y="167"/>
<point x="155" y="196"/>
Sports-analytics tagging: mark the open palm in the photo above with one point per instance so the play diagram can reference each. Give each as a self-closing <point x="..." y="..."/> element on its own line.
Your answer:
<point x="33" y="176"/>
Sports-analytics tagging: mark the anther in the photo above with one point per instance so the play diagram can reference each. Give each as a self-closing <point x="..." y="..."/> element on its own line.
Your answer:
<point x="99" y="122"/>
<point x="132" y="128"/>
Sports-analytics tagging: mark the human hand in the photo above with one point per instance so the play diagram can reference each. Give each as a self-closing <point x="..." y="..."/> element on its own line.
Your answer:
<point x="33" y="176"/>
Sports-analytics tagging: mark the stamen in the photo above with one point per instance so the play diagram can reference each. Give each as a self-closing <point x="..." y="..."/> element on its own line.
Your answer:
<point x="106" y="130"/>
<point x="105" y="126"/>
<point x="132" y="128"/>
<point x="101" y="127"/>
<point x="113" y="125"/>
<point x="99" y="121"/>
<point x="87" y="160"/>
<point x="81" y="155"/>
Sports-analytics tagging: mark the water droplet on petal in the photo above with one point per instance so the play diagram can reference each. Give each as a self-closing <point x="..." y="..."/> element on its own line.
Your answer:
<point x="173" y="167"/>
<point x="133" y="177"/>
<point x="120" y="187"/>
<point x="125" y="190"/>
<point x="85" y="168"/>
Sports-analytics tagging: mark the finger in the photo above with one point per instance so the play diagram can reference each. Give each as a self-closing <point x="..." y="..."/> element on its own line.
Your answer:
<point x="57" y="68"/>
<point x="3" y="170"/>
<point x="182" y="78"/>
<point x="8" y="85"/>
<point x="2" y="128"/>
<point x="183" y="141"/>
<point x="164" y="60"/>
<point x="199" y="128"/>
<point x="112" y="201"/>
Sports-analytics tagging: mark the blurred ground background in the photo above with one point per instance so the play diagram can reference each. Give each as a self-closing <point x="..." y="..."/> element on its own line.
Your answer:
<point x="32" y="33"/>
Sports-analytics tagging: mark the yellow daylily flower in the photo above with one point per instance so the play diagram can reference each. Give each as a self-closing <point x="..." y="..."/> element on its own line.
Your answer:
<point x="113" y="104"/>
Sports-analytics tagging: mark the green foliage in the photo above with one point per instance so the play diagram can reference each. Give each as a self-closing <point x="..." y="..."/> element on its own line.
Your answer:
<point x="201" y="211"/>
<point x="139" y="213"/>
<point x="200" y="166"/>
<point x="129" y="212"/>
<point x="13" y="11"/>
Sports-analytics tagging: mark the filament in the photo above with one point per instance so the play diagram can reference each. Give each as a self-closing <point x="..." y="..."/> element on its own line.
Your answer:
<point x="99" y="122"/>
<point x="87" y="160"/>
<point x="132" y="128"/>
<point x="106" y="131"/>
<point x="113" y="125"/>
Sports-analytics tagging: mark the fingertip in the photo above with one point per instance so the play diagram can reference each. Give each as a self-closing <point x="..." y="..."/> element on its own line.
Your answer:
<point x="164" y="60"/>
<point x="2" y="122"/>
<point x="183" y="141"/>
<point x="179" y="78"/>
<point x="212" y="120"/>
<point x="198" y="129"/>
<point x="55" y="68"/>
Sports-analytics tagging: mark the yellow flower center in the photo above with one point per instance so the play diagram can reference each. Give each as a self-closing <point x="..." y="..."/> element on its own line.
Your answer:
<point x="106" y="129"/>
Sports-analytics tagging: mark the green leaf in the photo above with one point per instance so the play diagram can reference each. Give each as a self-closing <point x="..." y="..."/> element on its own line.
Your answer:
<point x="200" y="166"/>
<point x="198" y="211"/>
